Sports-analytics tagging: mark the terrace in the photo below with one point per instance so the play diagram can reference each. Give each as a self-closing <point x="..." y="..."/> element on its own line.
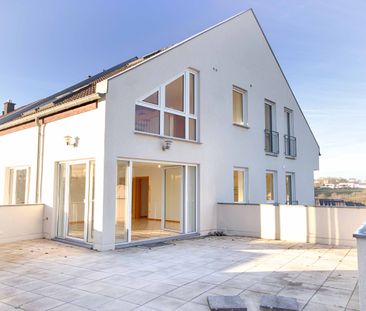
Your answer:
<point x="47" y="275"/>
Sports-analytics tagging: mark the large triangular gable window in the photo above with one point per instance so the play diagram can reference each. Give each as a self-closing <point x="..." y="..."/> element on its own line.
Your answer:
<point x="171" y="109"/>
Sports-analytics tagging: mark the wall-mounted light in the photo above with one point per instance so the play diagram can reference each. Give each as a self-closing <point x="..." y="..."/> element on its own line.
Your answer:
<point x="166" y="144"/>
<point x="71" y="141"/>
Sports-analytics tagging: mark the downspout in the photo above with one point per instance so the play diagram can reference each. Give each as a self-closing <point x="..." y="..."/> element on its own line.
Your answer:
<point x="39" y="168"/>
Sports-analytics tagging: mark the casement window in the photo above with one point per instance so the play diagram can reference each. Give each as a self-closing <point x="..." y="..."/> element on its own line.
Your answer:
<point x="240" y="106"/>
<point x="290" y="188"/>
<point x="270" y="134"/>
<point x="170" y="110"/>
<point x="271" y="184"/>
<point x="289" y="137"/>
<point x="17" y="183"/>
<point x="240" y="178"/>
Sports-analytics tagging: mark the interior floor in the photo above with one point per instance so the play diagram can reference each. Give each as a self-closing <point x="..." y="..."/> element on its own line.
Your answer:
<point x="143" y="228"/>
<point x="76" y="230"/>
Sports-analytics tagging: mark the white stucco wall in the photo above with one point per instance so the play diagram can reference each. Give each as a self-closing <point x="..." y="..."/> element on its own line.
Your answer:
<point x="241" y="56"/>
<point x="19" y="149"/>
<point x="21" y="222"/>
<point x="361" y="254"/>
<point x="323" y="225"/>
<point x="89" y="128"/>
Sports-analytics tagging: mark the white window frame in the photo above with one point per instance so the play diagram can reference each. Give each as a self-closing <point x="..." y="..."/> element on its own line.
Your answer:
<point x="161" y="107"/>
<point x="293" y="184"/>
<point x="275" y="183"/>
<point x="246" y="184"/>
<point x="245" y="108"/>
<point x="10" y="194"/>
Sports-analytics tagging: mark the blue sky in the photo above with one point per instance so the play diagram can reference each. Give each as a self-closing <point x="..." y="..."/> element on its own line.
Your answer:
<point x="321" y="46"/>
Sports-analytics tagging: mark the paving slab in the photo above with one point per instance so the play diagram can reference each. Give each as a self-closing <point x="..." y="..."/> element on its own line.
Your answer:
<point x="279" y="303"/>
<point x="226" y="303"/>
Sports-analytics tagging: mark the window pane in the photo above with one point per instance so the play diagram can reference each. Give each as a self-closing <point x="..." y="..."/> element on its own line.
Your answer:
<point x="268" y="117"/>
<point x="289" y="189"/>
<point x="121" y="201"/>
<point x="269" y="187"/>
<point x="191" y="93"/>
<point x="174" y="94"/>
<point x="174" y="125"/>
<point x="61" y="200"/>
<point x="21" y="176"/>
<point x="77" y="191"/>
<point x="238" y="186"/>
<point x="153" y="98"/>
<point x="147" y="120"/>
<point x="10" y="186"/>
<point x="238" y="107"/>
<point x="192" y="129"/>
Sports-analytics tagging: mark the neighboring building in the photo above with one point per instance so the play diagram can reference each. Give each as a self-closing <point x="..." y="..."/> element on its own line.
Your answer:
<point x="149" y="147"/>
<point x="328" y="186"/>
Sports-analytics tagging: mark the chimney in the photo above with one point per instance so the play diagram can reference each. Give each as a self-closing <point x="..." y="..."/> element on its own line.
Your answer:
<point x="9" y="106"/>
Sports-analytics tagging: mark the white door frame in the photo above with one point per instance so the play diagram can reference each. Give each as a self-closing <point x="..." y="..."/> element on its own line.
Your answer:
<point x="128" y="212"/>
<point x="66" y="206"/>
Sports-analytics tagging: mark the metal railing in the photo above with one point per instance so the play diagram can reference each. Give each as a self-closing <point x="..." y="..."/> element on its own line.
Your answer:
<point x="290" y="146"/>
<point x="292" y="202"/>
<point x="271" y="141"/>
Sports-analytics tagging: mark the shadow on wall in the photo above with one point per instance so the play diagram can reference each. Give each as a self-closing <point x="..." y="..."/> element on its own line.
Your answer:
<point x="297" y="223"/>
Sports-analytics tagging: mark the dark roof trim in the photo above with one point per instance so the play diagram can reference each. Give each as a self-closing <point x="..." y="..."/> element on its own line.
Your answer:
<point x="59" y="95"/>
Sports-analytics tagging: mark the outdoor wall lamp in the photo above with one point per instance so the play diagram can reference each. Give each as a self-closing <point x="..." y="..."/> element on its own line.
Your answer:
<point x="166" y="144"/>
<point x="71" y="141"/>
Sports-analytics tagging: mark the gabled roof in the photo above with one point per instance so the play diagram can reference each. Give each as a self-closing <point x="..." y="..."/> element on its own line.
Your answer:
<point x="76" y="91"/>
<point x="88" y="86"/>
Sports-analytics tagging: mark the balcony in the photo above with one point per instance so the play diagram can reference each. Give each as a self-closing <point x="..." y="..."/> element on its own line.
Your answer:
<point x="271" y="142"/>
<point x="290" y="146"/>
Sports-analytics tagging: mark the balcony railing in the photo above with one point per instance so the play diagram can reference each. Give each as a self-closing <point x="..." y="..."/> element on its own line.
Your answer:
<point x="290" y="146"/>
<point x="271" y="141"/>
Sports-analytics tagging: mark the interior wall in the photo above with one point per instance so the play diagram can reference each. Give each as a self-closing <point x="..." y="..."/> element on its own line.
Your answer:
<point x="156" y="178"/>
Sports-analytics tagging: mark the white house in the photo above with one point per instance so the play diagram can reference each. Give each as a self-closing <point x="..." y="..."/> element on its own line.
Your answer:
<point x="147" y="149"/>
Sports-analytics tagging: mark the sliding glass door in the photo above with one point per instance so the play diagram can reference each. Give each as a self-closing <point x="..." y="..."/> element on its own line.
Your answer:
<point x="77" y="191"/>
<point x="122" y="221"/>
<point x="76" y="200"/>
<point x="164" y="206"/>
<point x="174" y="201"/>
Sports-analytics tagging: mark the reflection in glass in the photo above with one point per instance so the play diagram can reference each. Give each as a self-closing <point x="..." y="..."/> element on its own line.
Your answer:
<point x="174" y="94"/>
<point x="77" y="201"/>
<point x="147" y="120"/>
<point x="121" y="201"/>
<point x="174" y="125"/>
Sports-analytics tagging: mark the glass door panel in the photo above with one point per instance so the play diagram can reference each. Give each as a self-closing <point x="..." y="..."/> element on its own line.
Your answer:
<point x="289" y="189"/>
<point x="76" y="212"/>
<point x="173" y="207"/>
<point x="122" y="201"/>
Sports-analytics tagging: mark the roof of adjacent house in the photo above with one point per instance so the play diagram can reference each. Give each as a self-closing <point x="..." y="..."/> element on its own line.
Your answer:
<point x="76" y="91"/>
